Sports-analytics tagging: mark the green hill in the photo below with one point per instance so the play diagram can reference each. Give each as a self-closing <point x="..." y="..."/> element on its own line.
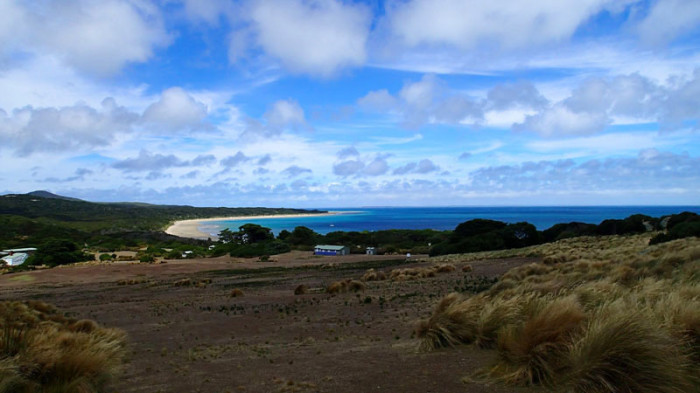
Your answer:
<point x="24" y="217"/>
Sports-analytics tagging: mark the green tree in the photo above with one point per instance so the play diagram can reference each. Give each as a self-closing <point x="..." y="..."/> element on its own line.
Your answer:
<point x="302" y="236"/>
<point x="58" y="252"/>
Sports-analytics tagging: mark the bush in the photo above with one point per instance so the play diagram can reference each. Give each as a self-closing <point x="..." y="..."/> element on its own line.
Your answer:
<point x="58" y="252"/>
<point x="43" y="351"/>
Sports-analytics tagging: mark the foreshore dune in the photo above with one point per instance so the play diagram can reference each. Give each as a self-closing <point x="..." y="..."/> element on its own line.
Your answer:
<point x="191" y="228"/>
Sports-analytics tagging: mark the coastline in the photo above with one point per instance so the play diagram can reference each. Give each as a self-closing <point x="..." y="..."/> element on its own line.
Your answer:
<point x="190" y="228"/>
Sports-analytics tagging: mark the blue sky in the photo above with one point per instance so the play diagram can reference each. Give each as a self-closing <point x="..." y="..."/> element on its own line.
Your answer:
<point x="326" y="103"/>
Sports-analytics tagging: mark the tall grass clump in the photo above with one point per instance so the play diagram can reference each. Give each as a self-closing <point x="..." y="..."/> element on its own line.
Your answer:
<point x="622" y="350"/>
<point x="604" y="314"/>
<point x="41" y="351"/>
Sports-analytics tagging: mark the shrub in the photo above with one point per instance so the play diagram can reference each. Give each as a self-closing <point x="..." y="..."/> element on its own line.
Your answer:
<point x="623" y="351"/>
<point x="535" y="352"/>
<point x="236" y="292"/>
<point x="453" y="322"/>
<point x="301" y="290"/>
<point x="42" y="351"/>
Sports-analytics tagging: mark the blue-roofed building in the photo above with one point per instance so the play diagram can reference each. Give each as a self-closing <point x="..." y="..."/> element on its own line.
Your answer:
<point x="331" y="250"/>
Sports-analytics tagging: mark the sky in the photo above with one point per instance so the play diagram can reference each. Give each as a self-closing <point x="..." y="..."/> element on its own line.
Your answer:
<point x="328" y="103"/>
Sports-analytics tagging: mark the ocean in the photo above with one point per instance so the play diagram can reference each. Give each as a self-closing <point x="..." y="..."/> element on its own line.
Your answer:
<point x="446" y="218"/>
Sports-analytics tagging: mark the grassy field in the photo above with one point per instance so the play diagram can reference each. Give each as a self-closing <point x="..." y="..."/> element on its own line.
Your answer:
<point x="596" y="315"/>
<point x="588" y="314"/>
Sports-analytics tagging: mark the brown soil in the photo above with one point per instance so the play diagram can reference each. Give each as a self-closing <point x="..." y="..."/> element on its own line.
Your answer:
<point x="198" y="338"/>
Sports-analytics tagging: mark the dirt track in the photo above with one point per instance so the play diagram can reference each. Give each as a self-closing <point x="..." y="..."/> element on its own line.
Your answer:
<point x="200" y="339"/>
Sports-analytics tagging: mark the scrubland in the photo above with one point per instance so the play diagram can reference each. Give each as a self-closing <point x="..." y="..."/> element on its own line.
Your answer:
<point x="598" y="314"/>
<point x="43" y="351"/>
<point x="589" y="314"/>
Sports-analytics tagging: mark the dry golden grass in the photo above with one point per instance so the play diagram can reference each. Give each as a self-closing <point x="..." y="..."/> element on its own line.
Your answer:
<point x="301" y="290"/>
<point x="343" y="286"/>
<point x="621" y="350"/>
<point x="373" y="275"/>
<point x="562" y="323"/>
<point x="42" y="351"/>
<point x="236" y="292"/>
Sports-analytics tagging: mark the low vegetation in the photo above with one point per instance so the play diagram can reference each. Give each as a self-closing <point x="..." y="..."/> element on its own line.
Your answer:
<point x="600" y="314"/>
<point x="42" y="351"/>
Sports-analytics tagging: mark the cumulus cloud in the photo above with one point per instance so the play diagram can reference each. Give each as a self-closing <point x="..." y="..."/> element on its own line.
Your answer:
<point x="669" y="19"/>
<point x="378" y="166"/>
<point x="348" y="152"/>
<point x="147" y="161"/>
<point x="28" y="130"/>
<point x="96" y="37"/>
<point x="506" y="24"/>
<point x="264" y="160"/>
<point x="348" y="168"/>
<point x="519" y="94"/>
<point x="208" y="11"/>
<point x="176" y="110"/>
<point x="650" y="169"/>
<point x="308" y="37"/>
<point x="428" y="100"/>
<point x="285" y="113"/>
<point x="294" y="171"/>
<point x="203" y="160"/>
<point x="235" y="160"/>
<point x="421" y="167"/>
<point x="282" y="115"/>
<point x="598" y="102"/>
<point x="561" y="120"/>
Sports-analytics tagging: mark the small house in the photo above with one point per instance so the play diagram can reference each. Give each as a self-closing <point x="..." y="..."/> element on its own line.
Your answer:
<point x="16" y="256"/>
<point x="371" y="251"/>
<point x="331" y="250"/>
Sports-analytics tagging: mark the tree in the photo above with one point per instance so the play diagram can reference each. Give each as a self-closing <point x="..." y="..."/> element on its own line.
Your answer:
<point x="254" y="233"/>
<point x="302" y="236"/>
<point x="58" y="252"/>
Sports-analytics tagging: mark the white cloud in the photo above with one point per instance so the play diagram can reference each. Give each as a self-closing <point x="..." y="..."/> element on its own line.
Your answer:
<point x="560" y="120"/>
<point x="507" y="24"/>
<point x="208" y="11"/>
<point x="348" y="168"/>
<point x="176" y="110"/>
<point x="421" y="167"/>
<point x="650" y="170"/>
<point x="378" y="166"/>
<point x="295" y="170"/>
<point x="428" y="100"/>
<point x="285" y="113"/>
<point x="599" y="102"/>
<point x="28" y="130"/>
<point x="669" y="19"/>
<point x="96" y="37"/>
<point x="317" y="37"/>
<point x="147" y="161"/>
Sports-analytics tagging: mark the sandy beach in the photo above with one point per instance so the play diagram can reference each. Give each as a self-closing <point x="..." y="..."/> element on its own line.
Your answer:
<point x="191" y="228"/>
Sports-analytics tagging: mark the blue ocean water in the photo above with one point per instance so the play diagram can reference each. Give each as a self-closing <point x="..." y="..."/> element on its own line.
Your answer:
<point x="444" y="218"/>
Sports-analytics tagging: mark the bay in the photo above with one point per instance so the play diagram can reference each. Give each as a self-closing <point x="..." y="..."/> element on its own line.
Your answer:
<point x="445" y="218"/>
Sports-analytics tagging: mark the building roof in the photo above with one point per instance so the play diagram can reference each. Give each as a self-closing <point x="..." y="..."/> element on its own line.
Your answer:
<point x="16" y="259"/>
<point x="330" y="247"/>
<point x="28" y="249"/>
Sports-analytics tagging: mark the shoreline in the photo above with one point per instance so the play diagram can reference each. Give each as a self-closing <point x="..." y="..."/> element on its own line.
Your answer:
<point x="190" y="228"/>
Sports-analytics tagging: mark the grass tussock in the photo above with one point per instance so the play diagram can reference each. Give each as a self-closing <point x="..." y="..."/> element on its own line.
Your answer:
<point x="344" y="286"/>
<point x="373" y="275"/>
<point x="606" y="314"/>
<point x="237" y="292"/>
<point x="301" y="290"/>
<point x="42" y="351"/>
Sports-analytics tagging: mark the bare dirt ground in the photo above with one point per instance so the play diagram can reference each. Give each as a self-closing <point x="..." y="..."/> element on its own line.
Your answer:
<point x="198" y="338"/>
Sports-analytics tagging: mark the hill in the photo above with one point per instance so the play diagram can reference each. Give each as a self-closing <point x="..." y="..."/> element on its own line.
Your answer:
<point x="40" y="214"/>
